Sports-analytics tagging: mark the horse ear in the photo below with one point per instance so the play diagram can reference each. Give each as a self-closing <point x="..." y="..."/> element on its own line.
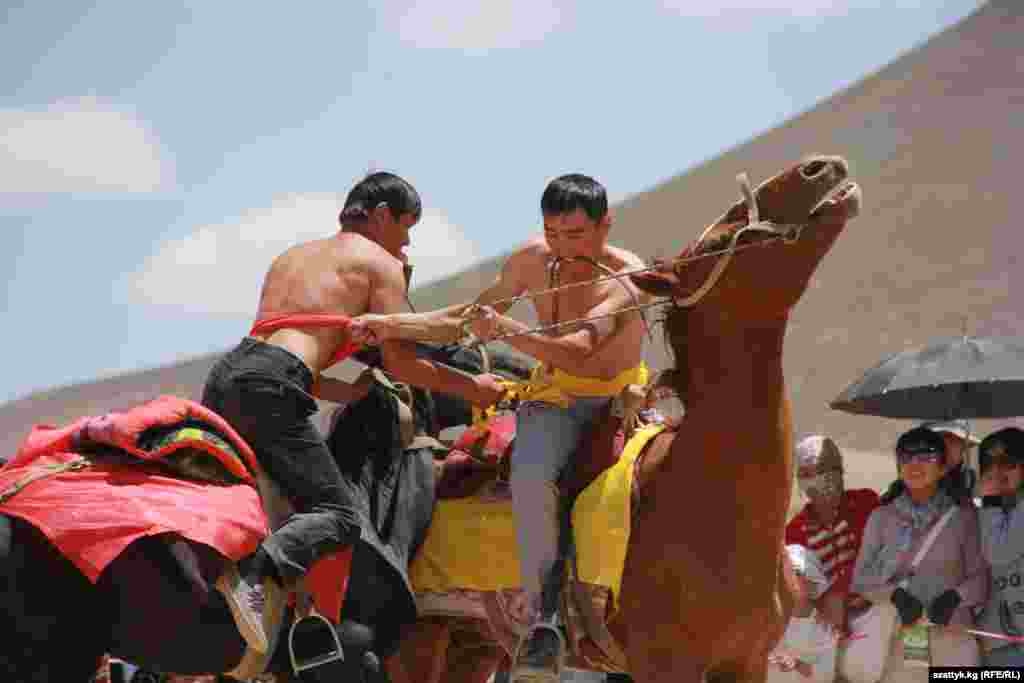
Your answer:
<point x="656" y="283"/>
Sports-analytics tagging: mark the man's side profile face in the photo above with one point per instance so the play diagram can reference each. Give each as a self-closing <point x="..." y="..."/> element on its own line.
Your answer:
<point x="570" y="235"/>
<point x="390" y="233"/>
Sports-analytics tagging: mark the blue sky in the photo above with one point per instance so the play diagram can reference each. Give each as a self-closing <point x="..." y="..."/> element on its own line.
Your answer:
<point x="154" y="157"/>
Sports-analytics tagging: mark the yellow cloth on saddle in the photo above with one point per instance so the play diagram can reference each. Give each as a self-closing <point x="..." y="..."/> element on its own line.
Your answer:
<point x="471" y="544"/>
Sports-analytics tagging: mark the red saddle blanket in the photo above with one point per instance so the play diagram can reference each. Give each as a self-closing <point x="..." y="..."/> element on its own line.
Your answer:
<point x="92" y="509"/>
<point x="483" y="453"/>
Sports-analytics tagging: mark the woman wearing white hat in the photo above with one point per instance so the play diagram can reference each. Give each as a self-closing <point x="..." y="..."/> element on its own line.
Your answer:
<point x="922" y="556"/>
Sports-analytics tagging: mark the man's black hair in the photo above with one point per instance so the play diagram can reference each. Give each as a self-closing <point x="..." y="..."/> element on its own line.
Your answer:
<point x="376" y="189"/>
<point x="574" y="191"/>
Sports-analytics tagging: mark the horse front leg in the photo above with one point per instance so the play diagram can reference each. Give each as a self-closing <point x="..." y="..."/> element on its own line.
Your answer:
<point x="473" y="654"/>
<point x="665" y="663"/>
<point x="423" y="652"/>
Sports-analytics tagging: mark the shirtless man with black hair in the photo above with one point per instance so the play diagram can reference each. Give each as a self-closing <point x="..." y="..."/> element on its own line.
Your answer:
<point x="265" y="387"/>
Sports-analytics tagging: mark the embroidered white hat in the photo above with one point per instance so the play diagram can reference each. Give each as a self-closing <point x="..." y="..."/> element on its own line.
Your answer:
<point x="819" y="451"/>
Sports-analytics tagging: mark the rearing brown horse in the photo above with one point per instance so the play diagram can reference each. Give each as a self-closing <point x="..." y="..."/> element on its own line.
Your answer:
<point x="703" y="591"/>
<point x="705" y="594"/>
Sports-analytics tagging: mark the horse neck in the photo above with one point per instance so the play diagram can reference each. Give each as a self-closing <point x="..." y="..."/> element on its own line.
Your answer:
<point x="737" y="414"/>
<point x="733" y="366"/>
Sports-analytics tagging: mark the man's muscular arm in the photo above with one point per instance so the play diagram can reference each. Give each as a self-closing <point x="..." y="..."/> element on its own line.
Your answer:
<point x="443" y="325"/>
<point x="566" y="348"/>
<point x="387" y="298"/>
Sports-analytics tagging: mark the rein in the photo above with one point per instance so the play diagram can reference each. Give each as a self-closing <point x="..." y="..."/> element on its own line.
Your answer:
<point x="787" y="232"/>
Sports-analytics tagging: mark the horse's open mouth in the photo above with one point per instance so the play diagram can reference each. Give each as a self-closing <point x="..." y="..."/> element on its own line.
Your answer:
<point x="846" y="198"/>
<point x="814" y="167"/>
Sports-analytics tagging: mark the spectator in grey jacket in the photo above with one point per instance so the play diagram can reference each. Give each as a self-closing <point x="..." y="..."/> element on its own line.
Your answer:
<point x="950" y="579"/>
<point x="959" y="479"/>
<point x="1001" y="456"/>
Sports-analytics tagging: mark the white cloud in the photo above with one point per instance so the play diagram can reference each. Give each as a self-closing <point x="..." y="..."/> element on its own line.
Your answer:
<point x="79" y="145"/>
<point x="219" y="268"/>
<point x="476" y="26"/>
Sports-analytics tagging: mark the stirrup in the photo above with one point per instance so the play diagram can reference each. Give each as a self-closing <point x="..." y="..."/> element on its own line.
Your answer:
<point x="527" y="673"/>
<point x="323" y="635"/>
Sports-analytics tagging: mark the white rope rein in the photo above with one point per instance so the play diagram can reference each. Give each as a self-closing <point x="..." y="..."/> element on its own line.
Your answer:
<point x="785" y="232"/>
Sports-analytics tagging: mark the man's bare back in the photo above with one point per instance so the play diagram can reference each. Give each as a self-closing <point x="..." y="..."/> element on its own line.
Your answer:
<point x="340" y="275"/>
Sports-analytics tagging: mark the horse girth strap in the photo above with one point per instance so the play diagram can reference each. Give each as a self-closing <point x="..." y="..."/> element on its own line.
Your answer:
<point x="41" y="471"/>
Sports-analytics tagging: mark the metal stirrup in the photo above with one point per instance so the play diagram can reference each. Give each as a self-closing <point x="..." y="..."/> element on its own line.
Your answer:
<point x="314" y="623"/>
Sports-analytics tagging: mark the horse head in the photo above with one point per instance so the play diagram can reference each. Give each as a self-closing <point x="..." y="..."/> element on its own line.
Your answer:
<point x="751" y="273"/>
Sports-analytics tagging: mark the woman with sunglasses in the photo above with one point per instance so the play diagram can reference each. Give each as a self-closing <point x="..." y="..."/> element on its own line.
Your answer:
<point x="1001" y="457"/>
<point x="951" y="576"/>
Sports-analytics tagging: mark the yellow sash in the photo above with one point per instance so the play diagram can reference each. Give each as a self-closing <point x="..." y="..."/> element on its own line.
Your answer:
<point x="559" y="387"/>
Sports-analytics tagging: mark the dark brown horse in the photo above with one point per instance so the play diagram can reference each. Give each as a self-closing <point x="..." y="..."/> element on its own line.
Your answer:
<point x="707" y="591"/>
<point x="155" y="604"/>
<point x="148" y="547"/>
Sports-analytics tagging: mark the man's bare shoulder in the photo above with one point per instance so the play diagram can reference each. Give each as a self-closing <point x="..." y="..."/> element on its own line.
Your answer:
<point x="528" y="263"/>
<point x="534" y="252"/>
<point x="354" y="243"/>
<point x="302" y="250"/>
<point x="353" y="251"/>
<point x="623" y="259"/>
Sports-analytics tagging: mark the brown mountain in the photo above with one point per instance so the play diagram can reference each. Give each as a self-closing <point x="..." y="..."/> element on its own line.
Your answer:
<point x="930" y="138"/>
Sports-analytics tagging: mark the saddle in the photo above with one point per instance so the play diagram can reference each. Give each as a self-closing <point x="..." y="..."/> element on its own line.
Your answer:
<point x="480" y="460"/>
<point x="478" y="466"/>
<point x="182" y="439"/>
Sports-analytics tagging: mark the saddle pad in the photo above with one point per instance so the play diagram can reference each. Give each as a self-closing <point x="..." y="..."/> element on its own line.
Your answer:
<point x="471" y="544"/>
<point x="92" y="515"/>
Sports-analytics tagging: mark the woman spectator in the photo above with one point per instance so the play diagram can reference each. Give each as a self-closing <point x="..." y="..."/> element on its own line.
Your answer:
<point x="949" y="579"/>
<point x="1001" y="457"/>
<point x="832" y="523"/>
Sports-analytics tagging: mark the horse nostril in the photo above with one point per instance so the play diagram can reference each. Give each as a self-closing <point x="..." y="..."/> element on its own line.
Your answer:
<point x="813" y="169"/>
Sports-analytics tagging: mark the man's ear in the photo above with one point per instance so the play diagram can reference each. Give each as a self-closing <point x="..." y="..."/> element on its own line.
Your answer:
<point x="606" y="220"/>
<point x="381" y="214"/>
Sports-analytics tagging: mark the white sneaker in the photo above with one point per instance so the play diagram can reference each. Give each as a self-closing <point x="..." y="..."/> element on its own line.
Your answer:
<point x="258" y="608"/>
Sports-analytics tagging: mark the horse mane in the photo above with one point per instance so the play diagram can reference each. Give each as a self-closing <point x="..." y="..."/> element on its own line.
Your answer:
<point x="676" y="327"/>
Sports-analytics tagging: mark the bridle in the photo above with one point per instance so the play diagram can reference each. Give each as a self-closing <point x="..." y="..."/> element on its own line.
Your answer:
<point x="787" y="233"/>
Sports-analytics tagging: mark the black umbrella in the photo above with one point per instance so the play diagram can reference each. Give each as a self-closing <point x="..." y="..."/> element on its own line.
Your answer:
<point x="962" y="377"/>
